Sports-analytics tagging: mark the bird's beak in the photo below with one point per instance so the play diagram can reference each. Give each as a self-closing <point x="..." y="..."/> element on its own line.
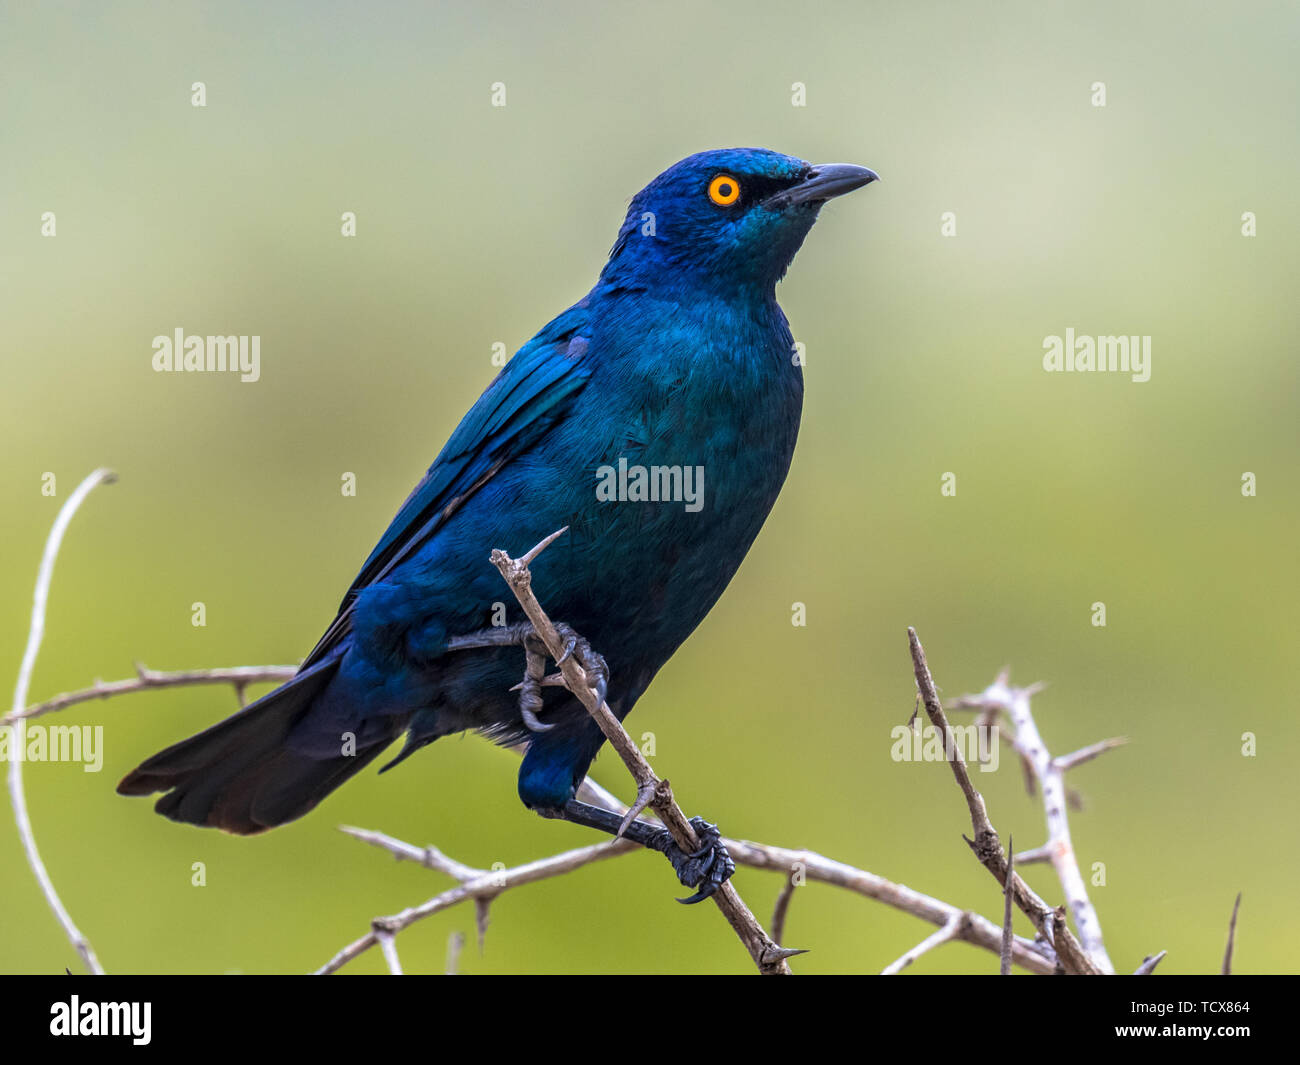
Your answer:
<point x="823" y="182"/>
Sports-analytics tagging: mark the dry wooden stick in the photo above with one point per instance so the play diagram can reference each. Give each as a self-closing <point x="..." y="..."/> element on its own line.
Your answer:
<point x="961" y="925"/>
<point x="952" y="930"/>
<point x="782" y="908"/>
<point x="146" y="679"/>
<point x="481" y="888"/>
<point x="1035" y="955"/>
<point x="1004" y="968"/>
<point x="1049" y="774"/>
<point x="651" y="790"/>
<point x="987" y="847"/>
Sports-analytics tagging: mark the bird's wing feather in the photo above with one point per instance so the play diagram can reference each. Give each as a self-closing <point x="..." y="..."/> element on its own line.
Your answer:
<point x="531" y="394"/>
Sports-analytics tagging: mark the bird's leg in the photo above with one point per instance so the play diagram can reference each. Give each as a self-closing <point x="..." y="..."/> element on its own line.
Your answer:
<point x="706" y="869"/>
<point x="497" y="636"/>
<point x="522" y="634"/>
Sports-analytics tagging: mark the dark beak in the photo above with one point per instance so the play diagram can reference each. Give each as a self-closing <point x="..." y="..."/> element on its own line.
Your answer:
<point x="823" y="182"/>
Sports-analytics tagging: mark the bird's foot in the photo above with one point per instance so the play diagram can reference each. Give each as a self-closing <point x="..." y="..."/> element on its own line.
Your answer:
<point x="535" y="653"/>
<point x="522" y="634"/>
<point x="592" y="663"/>
<point x="705" y="869"/>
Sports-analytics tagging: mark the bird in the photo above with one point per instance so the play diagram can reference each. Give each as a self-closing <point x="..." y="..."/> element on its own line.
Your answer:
<point x="655" y="421"/>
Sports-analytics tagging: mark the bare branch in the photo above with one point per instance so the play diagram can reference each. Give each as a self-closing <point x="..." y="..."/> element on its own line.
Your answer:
<point x="146" y="679"/>
<point x="767" y="955"/>
<point x="35" y="633"/>
<point x="1087" y="754"/>
<point x="1149" y="963"/>
<point x="986" y="845"/>
<point x="951" y="930"/>
<point x="485" y="887"/>
<point x="1004" y="968"/>
<point x="971" y="928"/>
<point x="1049" y="773"/>
<point x="782" y="908"/>
<point x="1033" y="857"/>
<point x="430" y="857"/>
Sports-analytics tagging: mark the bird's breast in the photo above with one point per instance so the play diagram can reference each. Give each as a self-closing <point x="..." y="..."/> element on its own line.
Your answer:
<point x="687" y="437"/>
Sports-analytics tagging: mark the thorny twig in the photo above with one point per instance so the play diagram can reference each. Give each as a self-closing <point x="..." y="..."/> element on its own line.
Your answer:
<point x="962" y="925"/>
<point x="481" y="886"/>
<point x="651" y="790"/>
<point x="1049" y="773"/>
<point x="987" y="848"/>
<point x="1004" y="967"/>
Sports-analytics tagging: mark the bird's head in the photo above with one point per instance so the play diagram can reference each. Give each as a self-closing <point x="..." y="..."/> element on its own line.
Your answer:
<point x="727" y="219"/>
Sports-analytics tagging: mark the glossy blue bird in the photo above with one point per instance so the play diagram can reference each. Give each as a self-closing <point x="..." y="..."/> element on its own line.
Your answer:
<point x="656" y="419"/>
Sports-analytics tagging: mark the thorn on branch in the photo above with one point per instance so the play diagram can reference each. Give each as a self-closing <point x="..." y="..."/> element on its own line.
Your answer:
<point x="1149" y="963"/>
<point x="519" y="579"/>
<point x="782" y="908"/>
<point x="482" y="917"/>
<point x="1232" y="937"/>
<point x="455" y="944"/>
<point x="1004" y="968"/>
<point x="986" y="846"/>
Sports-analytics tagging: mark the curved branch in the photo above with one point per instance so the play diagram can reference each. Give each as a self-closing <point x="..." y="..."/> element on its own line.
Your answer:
<point x="36" y="632"/>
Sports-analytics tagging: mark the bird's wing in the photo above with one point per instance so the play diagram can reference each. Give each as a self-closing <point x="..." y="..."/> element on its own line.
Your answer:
<point x="530" y="394"/>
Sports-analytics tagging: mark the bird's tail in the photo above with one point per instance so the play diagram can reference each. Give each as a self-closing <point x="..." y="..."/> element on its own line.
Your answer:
<point x="270" y="763"/>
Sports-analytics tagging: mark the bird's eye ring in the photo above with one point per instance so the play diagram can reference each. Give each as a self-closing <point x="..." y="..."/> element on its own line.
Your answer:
<point x="724" y="190"/>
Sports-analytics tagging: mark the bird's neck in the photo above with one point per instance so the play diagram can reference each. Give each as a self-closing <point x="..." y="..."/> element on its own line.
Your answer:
<point x="738" y="336"/>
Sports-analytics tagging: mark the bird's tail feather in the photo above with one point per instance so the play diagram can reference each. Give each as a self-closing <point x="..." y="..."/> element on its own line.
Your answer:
<point x="245" y="774"/>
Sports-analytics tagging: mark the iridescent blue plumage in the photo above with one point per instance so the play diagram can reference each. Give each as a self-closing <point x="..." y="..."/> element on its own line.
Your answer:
<point x="679" y="357"/>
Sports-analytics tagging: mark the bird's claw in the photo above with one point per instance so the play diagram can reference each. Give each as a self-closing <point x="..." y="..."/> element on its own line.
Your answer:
<point x="592" y="663"/>
<point x="530" y="689"/>
<point x="570" y="645"/>
<point x="705" y="869"/>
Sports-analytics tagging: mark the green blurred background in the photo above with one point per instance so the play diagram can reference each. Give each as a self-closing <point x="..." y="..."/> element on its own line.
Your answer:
<point x="477" y="224"/>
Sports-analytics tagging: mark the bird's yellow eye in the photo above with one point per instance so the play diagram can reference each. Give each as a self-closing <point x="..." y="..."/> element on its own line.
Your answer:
<point x="724" y="190"/>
